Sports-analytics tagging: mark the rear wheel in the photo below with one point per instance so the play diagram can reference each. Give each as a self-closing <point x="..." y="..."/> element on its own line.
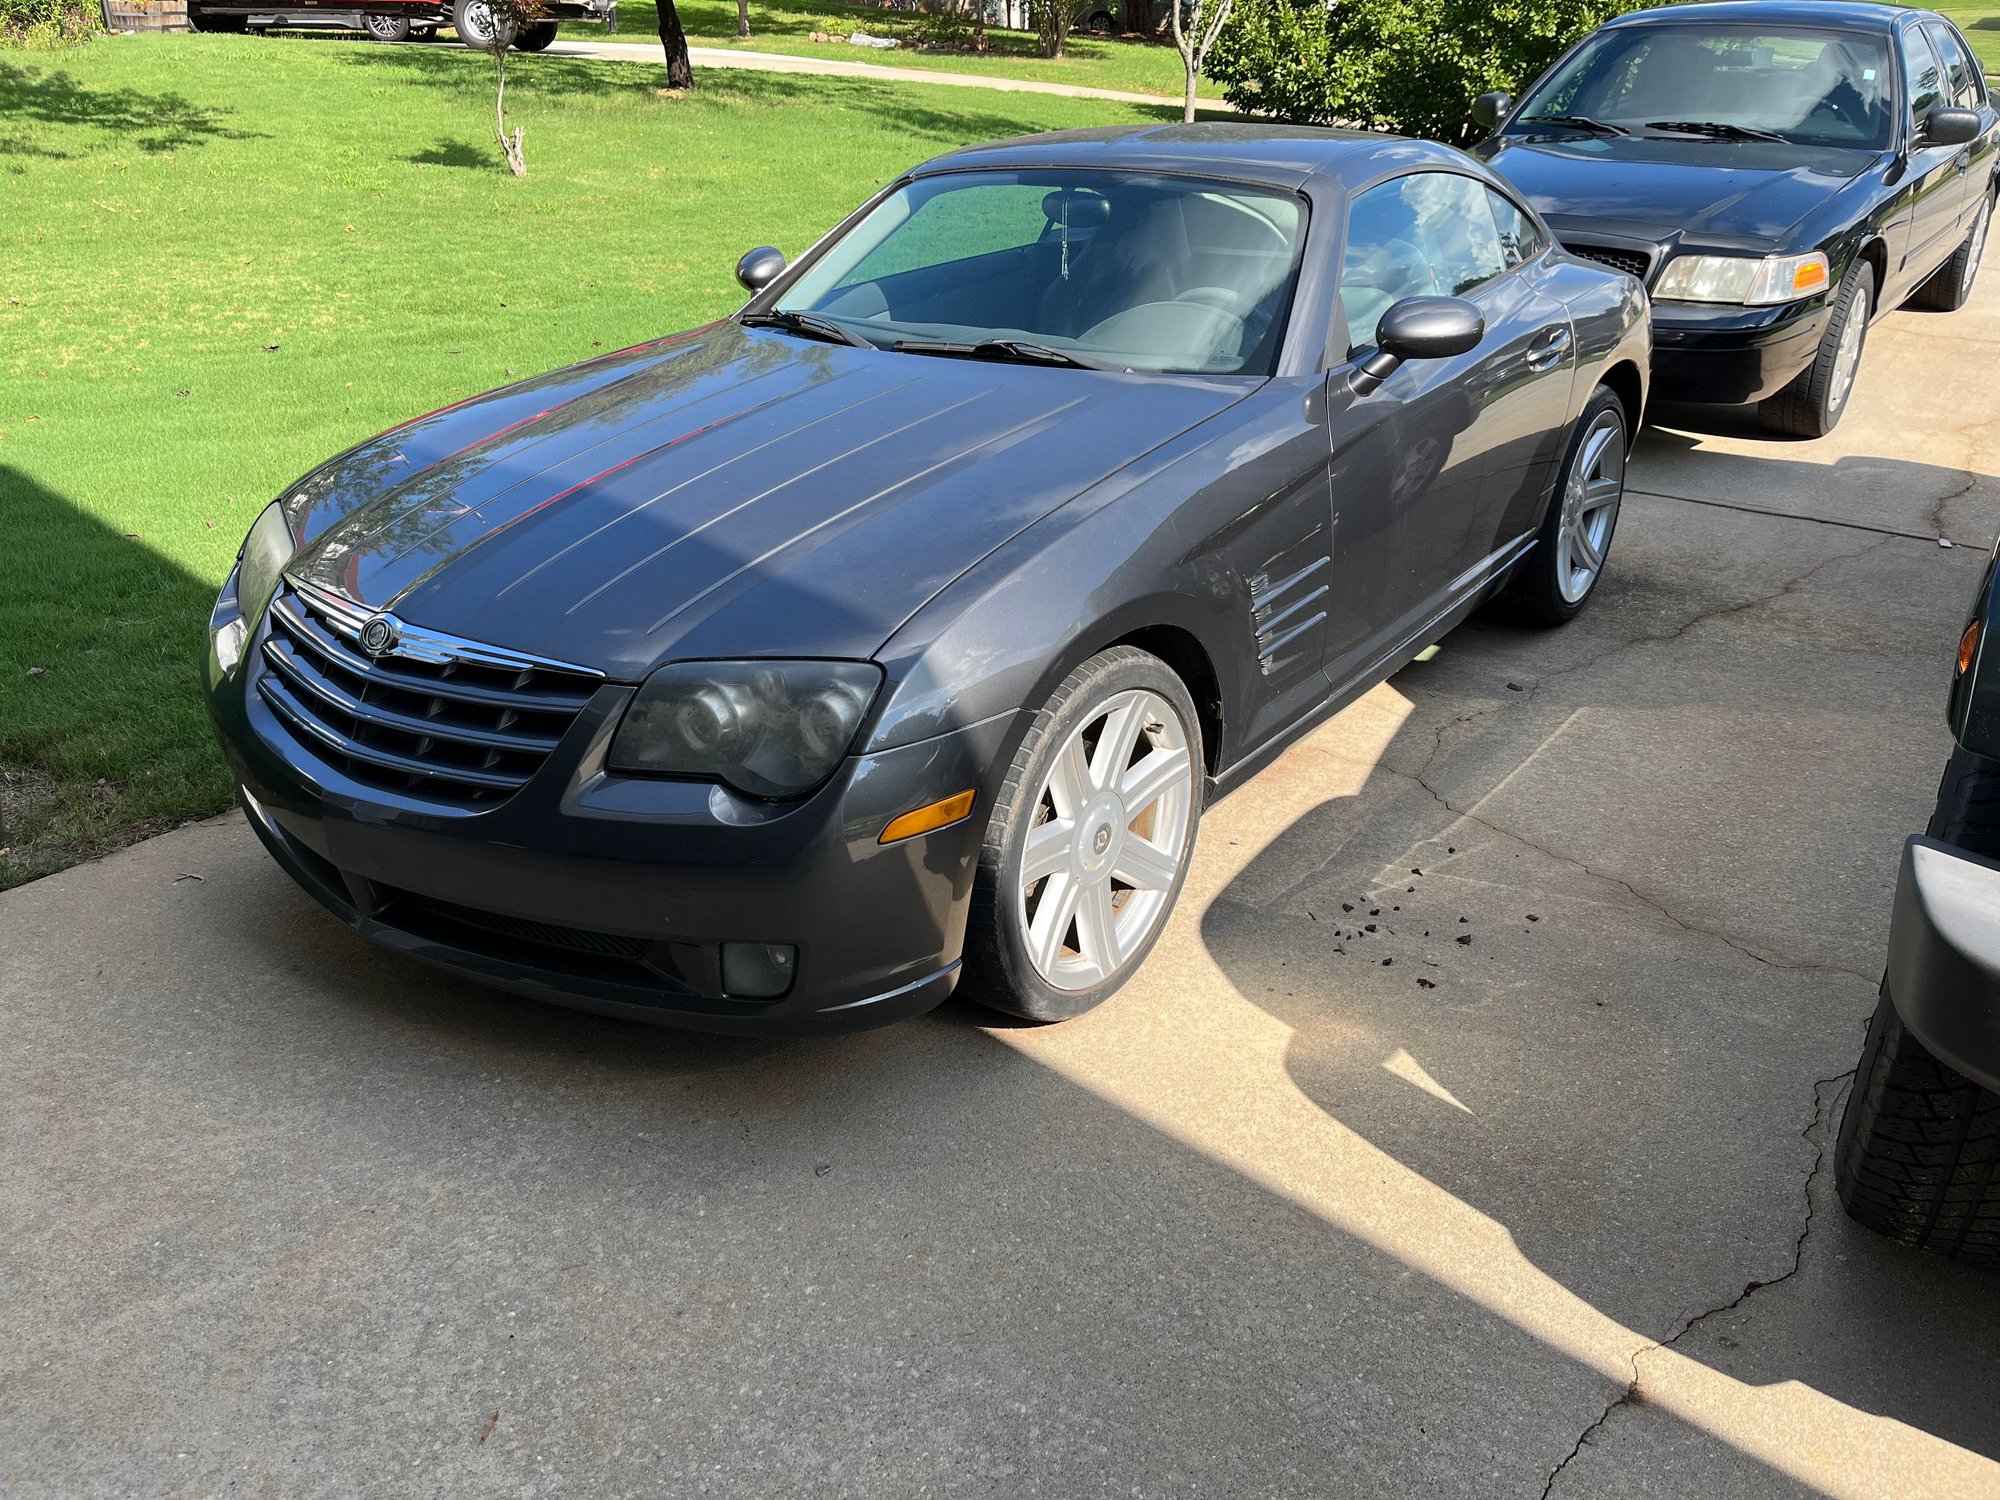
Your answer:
<point x="1088" y="842"/>
<point x="535" y="37"/>
<point x="1553" y="583"/>
<point x="477" y="25"/>
<point x="1918" y="1157"/>
<point x="387" y="28"/>
<point x="1811" y="406"/>
<point x="1950" y="286"/>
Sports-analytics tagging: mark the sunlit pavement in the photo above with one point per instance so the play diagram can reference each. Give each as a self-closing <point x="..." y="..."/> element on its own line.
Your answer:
<point x="1522" y="1192"/>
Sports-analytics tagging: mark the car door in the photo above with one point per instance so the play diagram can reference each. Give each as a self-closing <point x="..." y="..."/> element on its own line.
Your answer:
<point x="1975" y="173"/>
<point x="1935" y="175"/>
<point x="1431" y="470"/>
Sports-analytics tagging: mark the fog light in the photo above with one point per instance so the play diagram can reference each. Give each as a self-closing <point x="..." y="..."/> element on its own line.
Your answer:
<point x="758" y="971"/>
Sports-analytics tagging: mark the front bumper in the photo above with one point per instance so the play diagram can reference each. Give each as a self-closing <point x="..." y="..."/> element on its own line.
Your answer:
<point x="1727" y="355"/>
<point x="1944" y="956"/>
<point x="615" y="894"/>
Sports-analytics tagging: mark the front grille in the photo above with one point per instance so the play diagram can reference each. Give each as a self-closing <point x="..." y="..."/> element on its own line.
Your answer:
<point x="448" y="720"/>
<point x="1637" y="263"/>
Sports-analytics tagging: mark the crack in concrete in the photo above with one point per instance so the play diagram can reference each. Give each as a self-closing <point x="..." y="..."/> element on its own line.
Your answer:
<point x="1932" y="537"/>
<point x="1815" y="1135"/>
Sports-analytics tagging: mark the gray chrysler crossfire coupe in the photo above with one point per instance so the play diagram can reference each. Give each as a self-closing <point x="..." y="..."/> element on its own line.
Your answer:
<point x="892" y="633"/>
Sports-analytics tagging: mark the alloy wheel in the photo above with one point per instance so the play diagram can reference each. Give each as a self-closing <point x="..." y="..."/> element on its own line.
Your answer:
<point x="1847" y="358"/>
<point x="1110" y="832"/>
<point x="1590" y="506"/>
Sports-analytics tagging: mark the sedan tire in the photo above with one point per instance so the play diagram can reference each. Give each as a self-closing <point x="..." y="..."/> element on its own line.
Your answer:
<point x="1088" y="842"/>
<point x="1553" y="583"/>
<point x="1811" y="406"/>
<point x="1950" y="286"/>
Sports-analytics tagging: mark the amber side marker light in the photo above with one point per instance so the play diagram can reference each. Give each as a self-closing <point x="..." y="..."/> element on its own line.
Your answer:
<point x="1968" y="646"/>
<point x="1810" y="277"/>
<point x="924" y="819"/>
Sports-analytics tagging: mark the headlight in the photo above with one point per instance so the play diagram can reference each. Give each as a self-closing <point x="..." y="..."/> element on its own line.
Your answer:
<point x="1749" y="281"/>
<point x="767" y="728"/>
<point x="265" y="552"/>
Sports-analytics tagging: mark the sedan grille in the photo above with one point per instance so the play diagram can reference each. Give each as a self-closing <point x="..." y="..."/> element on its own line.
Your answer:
<point x="1637" y="263"/>
<point x="452" y="721"/>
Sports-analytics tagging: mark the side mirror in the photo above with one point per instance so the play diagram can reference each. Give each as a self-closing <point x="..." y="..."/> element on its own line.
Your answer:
<point x="1489" y="109"/>
<point x="1945" y="126"/>
<point x="760" y="267"/>
<point x="1418" y="328"/>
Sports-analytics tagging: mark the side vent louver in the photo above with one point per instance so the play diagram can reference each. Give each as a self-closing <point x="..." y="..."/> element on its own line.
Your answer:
<point x="1284" y="612"/>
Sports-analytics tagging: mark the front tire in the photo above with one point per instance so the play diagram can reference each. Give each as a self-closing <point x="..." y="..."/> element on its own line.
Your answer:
<point x="1949" y="287"/>
<point x="1088" y="842"/>
<point x="477" y="25"/>
<point x="1812" y="405"/>
<point x="1553" y="583"/>
<point x="1918" y="1157"/>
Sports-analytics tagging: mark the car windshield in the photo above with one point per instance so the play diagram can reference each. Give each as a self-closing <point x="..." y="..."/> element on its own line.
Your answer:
<point x="1098" y="268"/>
<point x="1805" y="86"/>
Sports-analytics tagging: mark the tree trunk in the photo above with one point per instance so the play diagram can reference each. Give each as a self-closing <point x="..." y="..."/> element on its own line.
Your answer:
<point x="517" y="162"/>
<point x="1187" y="108"/>
<point x="1139" y="16"/>
<point x="743" y="17"/>
<point x="674" y="41"/>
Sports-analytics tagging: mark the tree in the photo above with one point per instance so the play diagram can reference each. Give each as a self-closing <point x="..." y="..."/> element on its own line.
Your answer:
<point x="1195" y="34"/>
<point x="1052" y="19"/>
<point x="509" y="18"/>
<point x="674" y="41"/>
<point x="743" y="17"/>
<point x="1411" y="66"/>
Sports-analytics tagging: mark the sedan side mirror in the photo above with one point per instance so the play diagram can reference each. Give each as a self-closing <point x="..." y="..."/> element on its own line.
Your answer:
<point x="1489" y="109"/>
<point x="1418" y="328"/>
<point x="760" y="267"/>
<point x="1946" y="126"/>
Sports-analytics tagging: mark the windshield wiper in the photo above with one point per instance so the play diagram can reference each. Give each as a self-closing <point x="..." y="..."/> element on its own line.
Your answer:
<point x="1717" y="129"/>
<point x="1018" y="351"/>
<point x="1578" y="122"/>
<point x="808" y="325"/>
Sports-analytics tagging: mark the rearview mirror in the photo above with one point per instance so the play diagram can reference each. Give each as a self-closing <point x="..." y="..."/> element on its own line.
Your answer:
<point x="760" y="267"/>
<point x="1945" y="126"/>
<point x="1489" y="109"/>
<point x="1418" y="328"/>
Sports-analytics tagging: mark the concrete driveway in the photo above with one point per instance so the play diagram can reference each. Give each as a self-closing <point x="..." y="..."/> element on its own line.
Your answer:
<point x="1521" y="1193"/>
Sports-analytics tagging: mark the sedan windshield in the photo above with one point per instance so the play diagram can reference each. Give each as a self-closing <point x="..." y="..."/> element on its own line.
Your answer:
<point x="1091" y="268"/>
<point x="1804" y="86"/>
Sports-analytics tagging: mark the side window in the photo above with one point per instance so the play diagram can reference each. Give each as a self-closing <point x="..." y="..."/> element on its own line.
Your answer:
<point x="1428" y="234"/>
<point x="1958" y="65"/>
<point x="1923" y="78"/>
<point x="1520" y="240"/>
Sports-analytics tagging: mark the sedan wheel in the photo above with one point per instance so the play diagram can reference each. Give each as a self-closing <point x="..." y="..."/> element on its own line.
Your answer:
<point x="1590" y="506"/>
<point x="1950" y="286"/>
<point x="1811" y="406"/>
<point x="1089" y="841"/>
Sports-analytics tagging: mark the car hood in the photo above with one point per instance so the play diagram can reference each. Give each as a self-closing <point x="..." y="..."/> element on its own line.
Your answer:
<point x="732" y="492"/>
<point x="1745" y="194"/>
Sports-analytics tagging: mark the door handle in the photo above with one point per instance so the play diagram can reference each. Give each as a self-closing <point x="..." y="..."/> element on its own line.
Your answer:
<point x="1549" y="349"/>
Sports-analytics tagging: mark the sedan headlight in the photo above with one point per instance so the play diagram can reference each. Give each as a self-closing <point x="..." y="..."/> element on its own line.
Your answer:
<point x="1751" y="281"/>
<point x="265" y="552"/>
<point x="767" y="728"/>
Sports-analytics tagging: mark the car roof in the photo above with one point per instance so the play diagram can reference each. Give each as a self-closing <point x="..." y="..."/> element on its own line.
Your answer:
<point x="1846" y="15"/>
<point x="1255" y="151"/>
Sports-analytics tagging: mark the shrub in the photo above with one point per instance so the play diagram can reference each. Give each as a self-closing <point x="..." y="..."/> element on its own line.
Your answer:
<point x="46" y="23"/>
<point x="1411" y="66"/>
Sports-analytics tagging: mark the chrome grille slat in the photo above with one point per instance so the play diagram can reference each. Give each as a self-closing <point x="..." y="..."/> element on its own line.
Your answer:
<point x="461" y="723"/>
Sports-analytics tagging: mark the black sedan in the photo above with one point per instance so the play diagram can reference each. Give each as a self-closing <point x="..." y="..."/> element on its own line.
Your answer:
<point x="1778" y="173"/>
<point x="775" y="675"/>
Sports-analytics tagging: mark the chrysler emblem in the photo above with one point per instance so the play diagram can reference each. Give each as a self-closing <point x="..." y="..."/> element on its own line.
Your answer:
<point x="378" y="636"/>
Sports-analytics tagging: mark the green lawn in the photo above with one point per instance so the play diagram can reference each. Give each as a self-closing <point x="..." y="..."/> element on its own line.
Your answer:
<point x="229" y="257"/>
<point x="1981" y="24"/>
<point x="1107" y="63"/>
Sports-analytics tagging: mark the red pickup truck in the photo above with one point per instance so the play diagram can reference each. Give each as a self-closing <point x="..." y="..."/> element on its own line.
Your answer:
<point x="398" y="20"/>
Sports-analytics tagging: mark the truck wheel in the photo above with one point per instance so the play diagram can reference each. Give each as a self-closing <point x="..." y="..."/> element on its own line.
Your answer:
<point x="1918" y="1148"/>
<point x="477" y="26"/>
<point x="1811" y="405"/>
<point x="1088" y="840"/>
<point x="1950" y="285"/>
<point x="387" y="28"/>
<point x="535" y="38"/>
<point x="1919" y="1152"/>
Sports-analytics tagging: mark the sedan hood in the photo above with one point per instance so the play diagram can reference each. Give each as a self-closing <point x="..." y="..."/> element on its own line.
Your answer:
<point x="1741" y="194"/>
<point x="729" y="493"/>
